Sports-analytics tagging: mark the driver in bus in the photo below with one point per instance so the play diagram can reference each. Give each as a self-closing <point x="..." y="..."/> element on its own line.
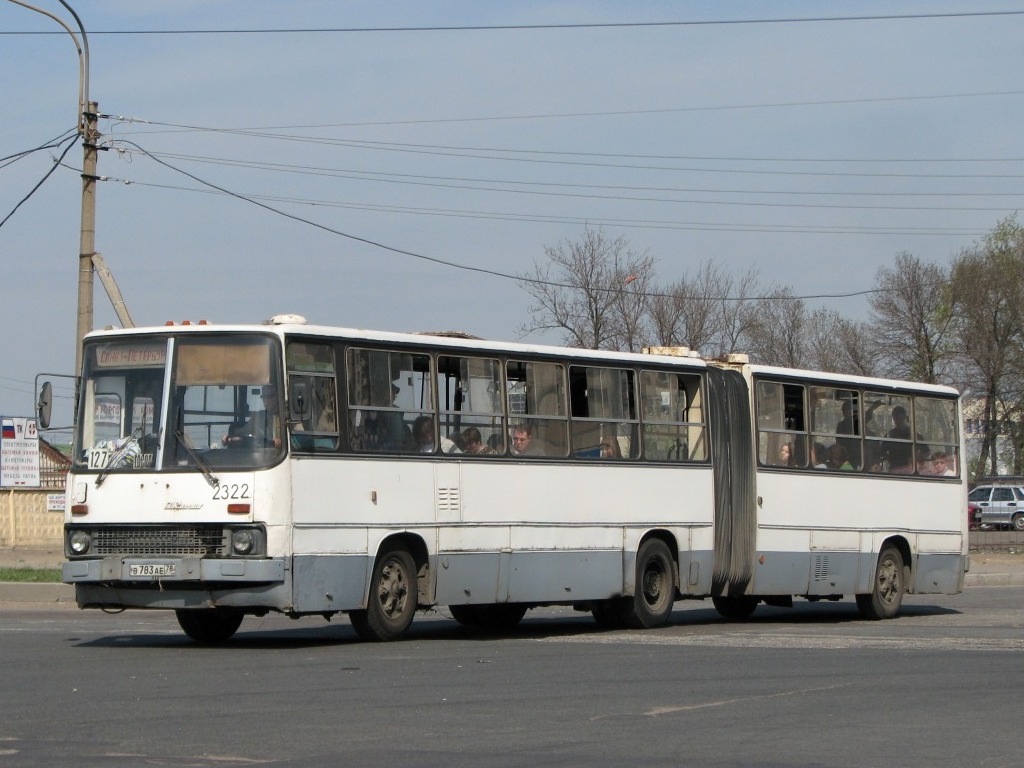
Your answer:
<point x="263" y="428"/>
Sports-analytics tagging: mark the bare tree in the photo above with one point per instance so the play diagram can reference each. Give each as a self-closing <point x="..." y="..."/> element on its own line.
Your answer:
<point x="739" y="308"/>
<point x="690" y="311"/>
<point x="835" y="343"/>
<point x="911" y="319"/>
<point x="778" y="333"/>
<point x="583" y="289"/>
<point x="629" y="310"/>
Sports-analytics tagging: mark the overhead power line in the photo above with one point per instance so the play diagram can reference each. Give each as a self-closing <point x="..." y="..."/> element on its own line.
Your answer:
<point x="560" y="115"/>
<point x="56" y="164"/>
<point x="445" y="262"/>
<point x="529" y="27"/>
<point x="521" y="186"/>
<point x="579" y="220"/>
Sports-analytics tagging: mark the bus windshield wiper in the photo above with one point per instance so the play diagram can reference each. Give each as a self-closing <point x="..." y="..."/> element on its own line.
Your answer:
<point x="199" y="460"/>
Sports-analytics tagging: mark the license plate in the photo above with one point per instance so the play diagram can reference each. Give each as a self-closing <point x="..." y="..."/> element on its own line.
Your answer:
<point x="152" y="569"/>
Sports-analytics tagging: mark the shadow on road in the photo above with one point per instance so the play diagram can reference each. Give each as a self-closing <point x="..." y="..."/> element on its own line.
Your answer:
<point x="278" y="632"/>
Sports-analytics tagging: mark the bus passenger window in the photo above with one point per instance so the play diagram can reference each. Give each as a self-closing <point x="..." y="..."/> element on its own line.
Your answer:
<point x="780" y="412"/>
<point x="312" y="400"/>
<point x="470" y="398"/>
<point x="387" y="392"/>
<point x="537" y="406"/>
<point x="603" y="405"/>
<point x="672" y="417"/>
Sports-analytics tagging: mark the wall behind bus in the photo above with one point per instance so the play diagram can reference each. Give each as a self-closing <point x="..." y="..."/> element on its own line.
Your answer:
<point x="25" y="520"/>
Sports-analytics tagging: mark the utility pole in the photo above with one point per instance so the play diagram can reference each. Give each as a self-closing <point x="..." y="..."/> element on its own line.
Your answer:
<point x="86" y="120"/>
<point x="87" y="240"/>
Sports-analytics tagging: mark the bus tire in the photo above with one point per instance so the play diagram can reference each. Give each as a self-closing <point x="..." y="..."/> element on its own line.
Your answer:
<point x="491" y="618"/>
<point x="886" y="596"/>
<point x="211" y="626"/>
<point x="654" y="593"/>
<point x="737" y="608"/>
<point x="466" y="615"/>
<point x="392" y="601"/>
<point x="610" y="614"/>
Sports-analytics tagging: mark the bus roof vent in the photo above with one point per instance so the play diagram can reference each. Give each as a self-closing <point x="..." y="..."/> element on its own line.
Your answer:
<point x="737" y="358"/>
<point x="286" y="320"/>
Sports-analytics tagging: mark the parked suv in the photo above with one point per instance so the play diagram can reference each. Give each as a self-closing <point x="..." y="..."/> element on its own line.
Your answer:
<point x="999" y="505"/>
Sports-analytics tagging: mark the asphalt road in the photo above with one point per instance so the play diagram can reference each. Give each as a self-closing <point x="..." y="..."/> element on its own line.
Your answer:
<point x="813" y="686"/>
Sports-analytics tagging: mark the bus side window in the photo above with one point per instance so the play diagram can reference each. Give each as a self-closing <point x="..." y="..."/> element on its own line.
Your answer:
<point x="537" y="401"/>
<point x="672" y="415"/>
<point x="780" y="411"/>
<point x="312" y="396"/>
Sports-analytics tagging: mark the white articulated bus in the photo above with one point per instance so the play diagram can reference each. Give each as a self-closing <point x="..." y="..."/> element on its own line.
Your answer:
<point x="228" y="470"/>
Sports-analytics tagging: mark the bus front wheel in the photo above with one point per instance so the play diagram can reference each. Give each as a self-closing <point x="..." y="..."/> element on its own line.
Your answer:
<point x="392" y="601"/>
<point x="654" y="593"/>
<point x="210" y="625"/>
<point x="886" y="596"/>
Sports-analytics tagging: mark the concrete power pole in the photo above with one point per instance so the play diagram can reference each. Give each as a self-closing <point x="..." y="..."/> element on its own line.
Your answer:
<point x="87" y="240"/>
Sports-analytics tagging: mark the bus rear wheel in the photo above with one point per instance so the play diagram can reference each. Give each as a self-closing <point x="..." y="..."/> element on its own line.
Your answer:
<point x="392" y="601"/>
<point x="886" y="596"/>
<point x="210" y="625"/>
<point x="735" y="608"/>
<point x="654" y="593"/>
<point x="611" y="613"/>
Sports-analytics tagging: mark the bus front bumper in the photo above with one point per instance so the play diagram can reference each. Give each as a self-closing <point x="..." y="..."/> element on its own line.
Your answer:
<point x="162" y="570"/>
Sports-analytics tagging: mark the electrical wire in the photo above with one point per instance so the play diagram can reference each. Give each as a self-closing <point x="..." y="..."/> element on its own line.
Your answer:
<point x="521" y="279"/>
<point x="51" y="144"/>
<point x="436" y="181"/>
<point x="56" y="165"/>
<point x="533" y="27"/>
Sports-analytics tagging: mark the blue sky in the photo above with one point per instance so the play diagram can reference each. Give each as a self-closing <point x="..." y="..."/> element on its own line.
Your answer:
<point x="810" y="151"/>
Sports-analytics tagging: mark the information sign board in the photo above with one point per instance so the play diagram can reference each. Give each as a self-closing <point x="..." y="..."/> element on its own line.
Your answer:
<point x="19" y="453"/>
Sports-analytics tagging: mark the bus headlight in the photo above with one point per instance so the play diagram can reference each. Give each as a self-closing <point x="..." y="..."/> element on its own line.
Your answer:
<point x="244" y="541"/>
<point x="80" y="542"/>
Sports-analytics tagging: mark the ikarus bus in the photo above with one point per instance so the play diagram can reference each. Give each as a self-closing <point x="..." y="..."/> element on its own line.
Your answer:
<point x="221" y="471"/>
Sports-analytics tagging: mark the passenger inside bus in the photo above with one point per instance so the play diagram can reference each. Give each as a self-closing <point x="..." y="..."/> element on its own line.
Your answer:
<point x="473" y="442"/>
<point x="523" y="443"/>
<point x="837" y="458"/>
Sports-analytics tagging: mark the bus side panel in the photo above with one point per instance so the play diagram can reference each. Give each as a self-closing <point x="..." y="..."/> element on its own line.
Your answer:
<point x="329" y="582"/>
<point x="565" y="564"/>
<point x="821" y="534"/>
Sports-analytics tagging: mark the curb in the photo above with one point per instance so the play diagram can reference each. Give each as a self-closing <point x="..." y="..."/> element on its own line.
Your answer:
<point x="994" y="580"/>
<point x="17" y="592"/>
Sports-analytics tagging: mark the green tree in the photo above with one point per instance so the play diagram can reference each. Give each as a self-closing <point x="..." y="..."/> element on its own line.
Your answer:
<point x="987" y="290"/>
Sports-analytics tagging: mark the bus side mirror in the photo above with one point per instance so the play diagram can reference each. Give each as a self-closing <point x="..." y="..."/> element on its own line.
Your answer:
<point x="299" y="407"/>
<point x="45" y="404"/>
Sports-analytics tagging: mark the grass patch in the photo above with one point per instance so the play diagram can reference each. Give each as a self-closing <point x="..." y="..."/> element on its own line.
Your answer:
<point x="31" y="575"/>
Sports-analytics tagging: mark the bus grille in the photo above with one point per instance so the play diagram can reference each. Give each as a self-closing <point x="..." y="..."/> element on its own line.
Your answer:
<point x="185" y="540"/>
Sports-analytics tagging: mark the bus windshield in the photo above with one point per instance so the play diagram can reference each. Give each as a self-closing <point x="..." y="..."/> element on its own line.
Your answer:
<point x="220" y="407"/>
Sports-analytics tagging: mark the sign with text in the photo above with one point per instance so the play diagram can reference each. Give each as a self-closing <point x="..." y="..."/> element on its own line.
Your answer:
<point x="19" y="453"/>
